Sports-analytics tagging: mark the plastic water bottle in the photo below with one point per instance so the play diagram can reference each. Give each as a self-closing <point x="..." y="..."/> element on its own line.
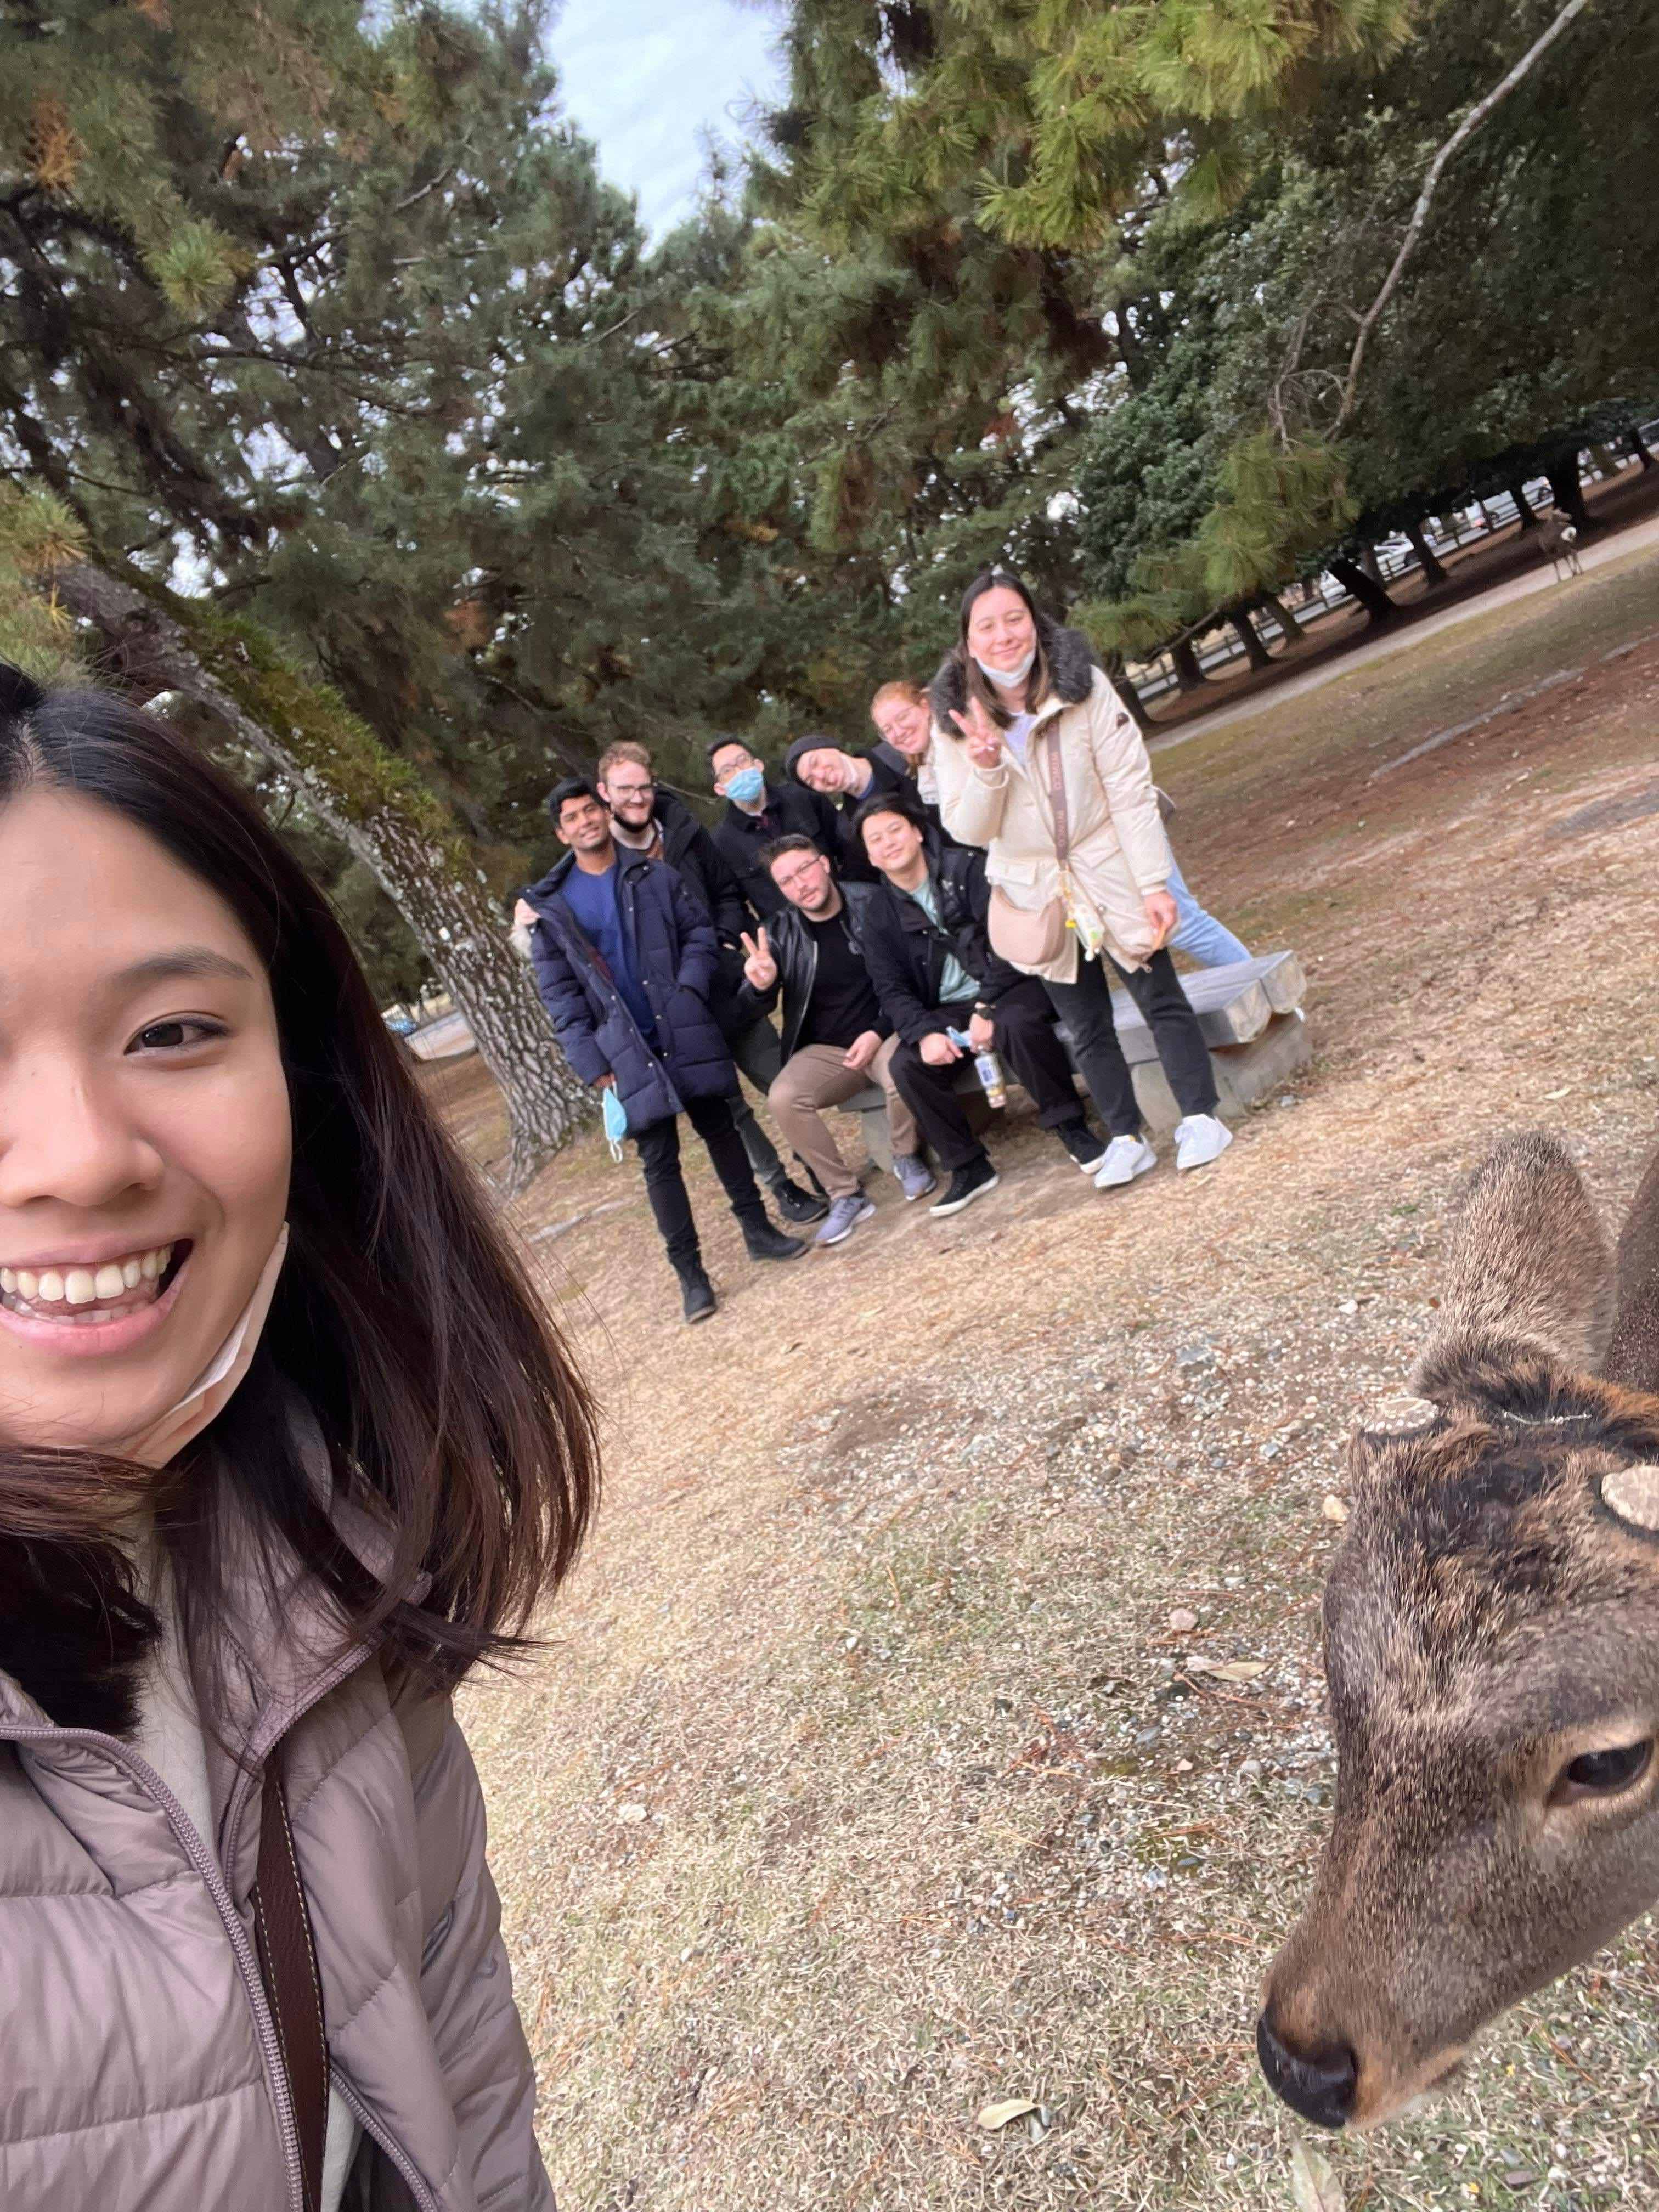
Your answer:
<point x="986" y="1066"/>
<point x="989" y="1068"/>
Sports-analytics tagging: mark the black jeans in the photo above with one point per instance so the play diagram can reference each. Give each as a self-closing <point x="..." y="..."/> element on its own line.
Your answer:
<point x="664" y="1185"/>
<point x="758" y="1051"/>
<point x="1085" y="1007"/>
<point x="1026" y="1038"/>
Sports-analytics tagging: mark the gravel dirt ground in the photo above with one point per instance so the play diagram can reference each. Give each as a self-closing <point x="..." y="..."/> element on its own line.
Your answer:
<point x="877" y="1771"/>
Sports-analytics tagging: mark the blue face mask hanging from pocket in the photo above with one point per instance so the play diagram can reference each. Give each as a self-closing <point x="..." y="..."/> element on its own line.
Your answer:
<point x="615" y="1121"/>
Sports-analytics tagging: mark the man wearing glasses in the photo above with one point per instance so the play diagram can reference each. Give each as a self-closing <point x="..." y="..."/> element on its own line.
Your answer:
<point x="647" y="819"/>
<point x="835" y="1037"/>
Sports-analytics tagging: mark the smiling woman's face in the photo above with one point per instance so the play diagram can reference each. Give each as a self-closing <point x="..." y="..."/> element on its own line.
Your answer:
<point x="145" y="1139"/>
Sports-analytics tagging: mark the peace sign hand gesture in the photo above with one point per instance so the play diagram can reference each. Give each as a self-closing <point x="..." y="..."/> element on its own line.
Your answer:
<point x="984" y="738"/>
<point x="760" y="969"/>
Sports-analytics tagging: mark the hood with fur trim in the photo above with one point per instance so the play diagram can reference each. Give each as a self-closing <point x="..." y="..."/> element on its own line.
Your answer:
<point x="1072" y="665"/>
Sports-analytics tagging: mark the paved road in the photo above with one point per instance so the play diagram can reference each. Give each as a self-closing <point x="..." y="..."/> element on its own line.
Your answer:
<point x="1541" y="579"/>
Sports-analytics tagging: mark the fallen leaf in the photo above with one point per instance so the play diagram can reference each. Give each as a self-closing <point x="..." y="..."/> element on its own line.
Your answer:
<point x="1229" y="1670"/>
<point x="1313" y="2185"/>
<point x="1010" y="2108"/>
<point x="1183" y="1620"/>
<point x="1334" y="1510"/>
<point x="631" y="1812"/>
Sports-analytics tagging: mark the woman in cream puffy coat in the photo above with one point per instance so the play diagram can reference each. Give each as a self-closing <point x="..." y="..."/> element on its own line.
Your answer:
<point x="1016" y="687"/>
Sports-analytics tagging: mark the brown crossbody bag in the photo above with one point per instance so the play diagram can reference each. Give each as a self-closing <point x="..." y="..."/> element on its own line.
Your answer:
<point x="1034" y="937"/>
<point x="288" y="1966"/>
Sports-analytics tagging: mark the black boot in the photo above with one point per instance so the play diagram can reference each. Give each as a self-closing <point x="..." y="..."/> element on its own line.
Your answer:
<point x="697" y="1291"/>
<point x="795" y="1204"/>
<point x="765" y="1243"/>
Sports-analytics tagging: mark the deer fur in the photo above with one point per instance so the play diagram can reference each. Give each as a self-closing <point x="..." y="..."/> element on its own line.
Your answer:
<point x="1493" y="1615"/>
<point x="1557" y="535"/>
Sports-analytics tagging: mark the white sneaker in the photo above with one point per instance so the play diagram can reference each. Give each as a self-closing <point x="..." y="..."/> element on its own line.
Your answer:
<point x="1125" y="1158"/>
<point x="1200" y="1139"/>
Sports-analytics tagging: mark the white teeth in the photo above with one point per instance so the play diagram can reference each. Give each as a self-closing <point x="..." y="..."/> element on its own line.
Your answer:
<point x="79" y="1286"/>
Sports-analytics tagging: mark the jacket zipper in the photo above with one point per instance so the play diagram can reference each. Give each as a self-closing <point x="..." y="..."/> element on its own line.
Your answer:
<point x="355" y="2104"/>
<point x="218" y="1888"/>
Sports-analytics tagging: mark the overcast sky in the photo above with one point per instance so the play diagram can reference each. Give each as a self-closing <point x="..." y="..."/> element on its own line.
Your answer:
<point x="645" y="78"/>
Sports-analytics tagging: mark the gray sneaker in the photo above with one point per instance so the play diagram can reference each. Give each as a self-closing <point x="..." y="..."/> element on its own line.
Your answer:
<point x="916" y="1177"/>
<point x="845" y="1216"/>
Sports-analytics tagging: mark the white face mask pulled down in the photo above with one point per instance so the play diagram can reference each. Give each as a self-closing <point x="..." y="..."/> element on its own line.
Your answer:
<point x="217" y="1383"/>
<point x="1007" y="679"/>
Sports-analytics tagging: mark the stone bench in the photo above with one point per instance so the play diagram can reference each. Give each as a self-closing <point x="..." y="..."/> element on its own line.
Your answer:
<point x="1250" y="1013"/>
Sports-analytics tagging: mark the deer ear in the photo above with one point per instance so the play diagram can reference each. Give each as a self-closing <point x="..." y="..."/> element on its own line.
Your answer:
<point x="1530" y="1269"/>
<point x="1631" y="1494"/>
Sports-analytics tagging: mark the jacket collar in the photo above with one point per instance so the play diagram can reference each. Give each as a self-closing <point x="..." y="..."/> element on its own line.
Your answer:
<point x="287" y="1642"/>
<point x="541" y="895"/>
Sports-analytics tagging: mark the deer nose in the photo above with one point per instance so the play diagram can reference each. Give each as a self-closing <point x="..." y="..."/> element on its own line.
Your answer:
<point x="1319" y="2086"/>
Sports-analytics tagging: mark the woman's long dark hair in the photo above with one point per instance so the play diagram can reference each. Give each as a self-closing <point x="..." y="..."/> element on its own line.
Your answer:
<point x="1036" y="690"/>
<point x="450" y="1408"/>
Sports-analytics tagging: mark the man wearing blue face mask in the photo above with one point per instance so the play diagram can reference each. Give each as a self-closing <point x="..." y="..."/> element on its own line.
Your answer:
<point x="759" y="811"/>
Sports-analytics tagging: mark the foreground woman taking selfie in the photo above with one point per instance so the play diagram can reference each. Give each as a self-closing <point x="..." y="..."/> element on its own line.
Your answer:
<point x="286" y="1446"/>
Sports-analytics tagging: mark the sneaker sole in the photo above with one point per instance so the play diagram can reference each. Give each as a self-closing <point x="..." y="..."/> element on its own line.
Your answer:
<point x="1089" y="1167"/>
<point x="825" y="1243"/>
<point x="1186" y="1167"/>
<point x="911" y="1196"/>
<point x="955" y="1205"/>
<point x="708" y="1314"/>
<point x="760" y="1259"/>
<point x="1122" y="1183"/>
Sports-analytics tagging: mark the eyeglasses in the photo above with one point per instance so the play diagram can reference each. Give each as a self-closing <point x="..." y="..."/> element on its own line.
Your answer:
<point x="630" y="790"/>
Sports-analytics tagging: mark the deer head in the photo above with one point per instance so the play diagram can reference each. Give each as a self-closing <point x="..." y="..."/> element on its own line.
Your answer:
<point x="1491" y="1648"/>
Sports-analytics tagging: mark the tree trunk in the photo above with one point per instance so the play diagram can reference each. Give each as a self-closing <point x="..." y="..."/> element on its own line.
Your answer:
<point x="1518" y="493"/>
<point x="1189" y="674"/>
<point x="1633" y="439"/>
<point x="1124" y="685"/>
<point x="1368" y="563"/>
<point x="377" y="807"/>
<point x="1287" y="621"/>
<point x="1371" y="596"/>
<point x="1249" y="638"/>
<point x="1432" y="568"/>
<point x="1569" y="494"/>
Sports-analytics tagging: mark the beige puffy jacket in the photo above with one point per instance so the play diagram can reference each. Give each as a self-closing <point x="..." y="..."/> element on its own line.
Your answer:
<point x="1118" y="850"/>
<point x="137" y="2059"/>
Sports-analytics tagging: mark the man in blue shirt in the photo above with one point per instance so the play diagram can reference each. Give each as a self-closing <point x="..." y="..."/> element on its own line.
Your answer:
<point x="624" y="959"/>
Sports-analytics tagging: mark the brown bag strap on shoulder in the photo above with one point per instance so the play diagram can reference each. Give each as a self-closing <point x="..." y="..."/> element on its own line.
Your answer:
<point x="288" y="1964"/>
<point x="1057" y="794"/>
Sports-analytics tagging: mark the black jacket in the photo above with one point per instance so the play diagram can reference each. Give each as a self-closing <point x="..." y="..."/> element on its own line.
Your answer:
<point x="795" y="951"/>
<point x="790" y="810"/>
<point x="905" y="952"/>
<point x="703" y="868"/>
<point x="674" y="946"/>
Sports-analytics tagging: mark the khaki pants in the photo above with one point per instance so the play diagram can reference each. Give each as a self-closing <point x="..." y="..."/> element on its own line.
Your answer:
<point x="818" y="1076"/>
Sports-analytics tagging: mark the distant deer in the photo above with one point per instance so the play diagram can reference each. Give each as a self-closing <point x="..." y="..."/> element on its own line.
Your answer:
<point x="1491" y="1650"/>
<point x="1557" y="535"/>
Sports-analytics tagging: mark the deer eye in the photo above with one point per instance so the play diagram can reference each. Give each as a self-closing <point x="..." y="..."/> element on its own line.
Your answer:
<point x="1603" y="1773"/>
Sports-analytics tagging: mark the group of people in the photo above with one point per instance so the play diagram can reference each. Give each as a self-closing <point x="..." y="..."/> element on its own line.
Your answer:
<point x="968" y="887"/>
<point x="287" y="1445"/>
